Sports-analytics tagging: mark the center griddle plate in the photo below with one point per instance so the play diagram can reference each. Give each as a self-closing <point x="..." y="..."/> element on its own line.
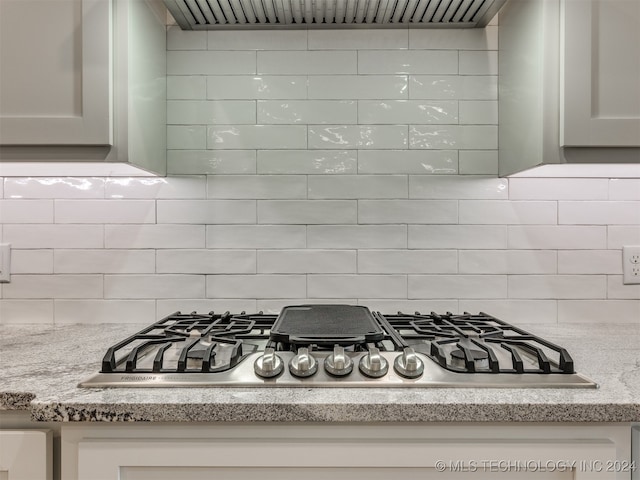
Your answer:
<point x="326" y="325"/>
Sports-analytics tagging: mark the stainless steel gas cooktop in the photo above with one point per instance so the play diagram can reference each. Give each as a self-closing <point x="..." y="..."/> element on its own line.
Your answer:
<point x="336" y="346"/>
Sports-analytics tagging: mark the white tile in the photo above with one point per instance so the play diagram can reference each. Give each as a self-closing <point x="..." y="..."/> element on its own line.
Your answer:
<point x="507" y="212"/>
<point x="62" y="187"/>
<point x="211" y="111"/>
<point x="257" y="87"/>
<point x="31" y="261"/>
<point x="316" y="62"/>
<point x="257" y="186"/>
<point x="358" y="186"/>
<point x="256" y="286"/>
<point x="169" y="306"/>
<point x="358" y="136"/>
<point x="257" y="40"/>
<point x="558" y="188"/>
<point x="428" y="162"/>
<point x="156" y="187"/>
<point x="623" y="189"/>
<point x="454" y="38"/>
<point x="307" y="162"/>
<point x="256" y="136"/>
<point x="478" y="63"/>
<point x="274" y="306"/>
<point x="557" y="237"/>
<point x="356" y="87"/>
<point x="358" y="39"/>
<point x="211" y="162"/>
<point x="256" y="236"/>
<point x="53" y="286"/>
<point x="154" y="286"/>
<point x="26" y="311"/>
<point x="463" y="137"/>
<point x="457" y="286"/>
<point x="2" y="181"/>
<point x="599" y="311"/>
<point x="26" y="211"/>
<point x="186" y="137"/>
<point x="463" y="87"/>
<point x="105" y="211"/>
<point x="154" y="236"/>
<point x="307" y="261"/>
<point x="306" y="211"/>
<point x="407" y="211"/>
<point x="210" y="62"/>
<point x="407" y="111"/>
<point x="104" y="261"/>
<point x="460" y="187"/>
<point x="508" y="261"/>
<point x="105" y="311"/>
<point x="178" y="39"/>
<point x="458" y="236"/>
<point x="350" y="286"/>
<point x="407" y="261"/>
<point x="617" y="289"/>
<point x="390" y="307"/>
<point x="186" y="87"/>
<point x="206" y="261"/>
<point x="357" y="236"/>
<point x="590" y="261"/>
<point x="206" y="211"/>
<point x="515" y="311"/>
<point x="599" y="213"/>
<point x="478" y="162"/>
<point x="54" y="236"/>
<point x="557" y="286"/>
<point x="307" y="111"/>
<point x="427" y="62"/>
<point x="619" y="236"/>
<point x="479" y="112"/>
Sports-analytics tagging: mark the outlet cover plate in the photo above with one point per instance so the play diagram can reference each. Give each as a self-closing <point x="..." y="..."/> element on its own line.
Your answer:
<point x="631" y="264"/>
<point x="5" y="262"/>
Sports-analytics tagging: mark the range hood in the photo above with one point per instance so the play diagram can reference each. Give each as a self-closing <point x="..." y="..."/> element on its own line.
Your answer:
<point x="219" y="14"/>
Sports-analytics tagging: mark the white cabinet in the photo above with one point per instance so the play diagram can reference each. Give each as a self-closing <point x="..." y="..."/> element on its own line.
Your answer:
<point x="25" y="455"/>
<point x="83" y="81"/>
<point x="360" y="452"/>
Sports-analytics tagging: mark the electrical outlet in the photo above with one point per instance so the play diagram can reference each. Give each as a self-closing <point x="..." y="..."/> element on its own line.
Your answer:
<point x="631" y="264"/>
<point x="5" y="262"/>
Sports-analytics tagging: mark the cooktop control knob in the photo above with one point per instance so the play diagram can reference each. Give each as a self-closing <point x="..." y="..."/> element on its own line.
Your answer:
<point x="338" y="363"/>
<point x="408" y="364"/>
<point x="373" y="364"/>
<point x="269" y="364"/>
<point x="303" y="364"/>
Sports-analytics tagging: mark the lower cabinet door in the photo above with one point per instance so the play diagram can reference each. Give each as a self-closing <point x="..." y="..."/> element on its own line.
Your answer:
<point x="25" y="455"/>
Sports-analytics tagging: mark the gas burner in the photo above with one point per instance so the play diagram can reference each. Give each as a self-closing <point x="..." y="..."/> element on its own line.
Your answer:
<point x="462" y="358"/>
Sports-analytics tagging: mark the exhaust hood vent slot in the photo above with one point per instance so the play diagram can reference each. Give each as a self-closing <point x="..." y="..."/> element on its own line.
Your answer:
<point x="217" y="14"/>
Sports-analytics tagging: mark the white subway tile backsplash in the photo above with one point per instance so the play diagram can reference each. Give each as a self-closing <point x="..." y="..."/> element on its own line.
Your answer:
<point x="479" y="112"/>
<point x="154" y="286"/>
<point x="387" y="62"/>
<point x="559" y="237"/>
<point x="467" y="87"/>
<point x="407" y="111"/>
<point x="31" y="261"/>
<point x="508" y="261"/>
<point x="558" y="188"/>
<point x="206" y="261"/>
<point x="355" y="286"/>
<point x="617" y="289"/>
<point x="624" y="189"/>
<point x="462" y="137"/>
<point x="458" y="236"/>
<point x="456" y="39"/>
<point x="154" y="236"/>
<point x="257" y="186"/>
<point x="104" y="261"/>
<point x="358" y="39"/>
<point x="478" y="162"/>
<point x="621" y="235"/>
<point x="599" y="311"/>
<point x="482" y="62"/>
<point x="54" y="236"/>
<point x="211" y="62"/>
<point x="183" y="162"/>
<point x="357" y="236"/>
<point x="186" y="87"/>
<point x="105" y="311"/>
<point x="156" y="187"/>
<point x="26" y="211"/>
<point x="186" y="137"/>
<point x="257" y="40"/>
<point x="26" y="311"/>
<point x="256" y="286"/>
<point x="357" y="186"/>
<point x="457" y="286"/>
<point x="256" y="236"/>
<point x="256" y="136"/>
<point x="357" y="136"/>
<point x="427" y="162"/>
<point x="256" y="87"/>
<point x="105" y="211"/>
<point x="507" y="212"/>
<point x="171" y="305"/>
<point x="178" y="39"/>
<point x="516" y="311"/>
<point x="186" y="112"/>
<point x="460" y="187"/>
<point x="53" y="286"/>
<point x="599" y="213"/>
<point x="407" y="211"/>
<point x="63" y="187"/>
<point x="409" y="306"/>
<point x="557" y="286"/>
<point x="407" y="261"/>
<point x="306" y="212"/>
<point x="307" y="111"/>
<point x="309" y="62"/>
<point x="307" y="261"/>
<point x="590" y="261"/>
<point x="274" y="306"/>
<point x="358" y="87"/>
<point x="307" y="162"/>
<point x="206" y="211"/>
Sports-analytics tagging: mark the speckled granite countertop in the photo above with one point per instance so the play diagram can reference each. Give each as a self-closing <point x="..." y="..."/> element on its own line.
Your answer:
<point x="40" y="367"/>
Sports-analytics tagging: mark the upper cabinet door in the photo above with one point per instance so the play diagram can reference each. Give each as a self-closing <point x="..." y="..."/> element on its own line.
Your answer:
<point x="55" y="75"/>
<point x="601" y="73"/>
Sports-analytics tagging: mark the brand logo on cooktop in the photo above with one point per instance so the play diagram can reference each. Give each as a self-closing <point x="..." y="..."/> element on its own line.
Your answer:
<point x="137" y="378"/>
